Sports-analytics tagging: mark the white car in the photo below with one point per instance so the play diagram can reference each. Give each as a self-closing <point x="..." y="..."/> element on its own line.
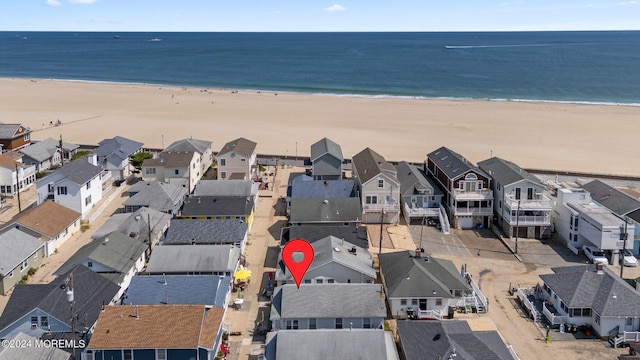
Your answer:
<point x="596" y="256"/>
<point x="629" y="259"/>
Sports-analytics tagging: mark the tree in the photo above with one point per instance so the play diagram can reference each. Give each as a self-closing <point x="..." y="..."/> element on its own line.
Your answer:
<point x="137" y="159"/>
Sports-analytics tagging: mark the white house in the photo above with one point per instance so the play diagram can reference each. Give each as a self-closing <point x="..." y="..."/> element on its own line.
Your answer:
<point x="201" y="147"/>
<point x="14" y="175"/>
<point x="78" y="185"/>
<point x="180" y="168"/>
<point x="326" y="160"/>
<point x="113" y="155"/>
<point x="237" y="160"/>
<point x="46" y="153"/>
<point x="378" y="187"/>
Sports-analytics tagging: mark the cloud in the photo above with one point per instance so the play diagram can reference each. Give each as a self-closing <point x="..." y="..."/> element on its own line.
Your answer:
<point x="624" y="3"/>
<point x="335" y="7"/>
<point x="52" y="2"/>
<point x="83" y="1"/>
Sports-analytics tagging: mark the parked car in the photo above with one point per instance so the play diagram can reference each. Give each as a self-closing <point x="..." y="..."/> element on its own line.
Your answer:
<point x="595" y="255"/>
<point x="629" y="259"/>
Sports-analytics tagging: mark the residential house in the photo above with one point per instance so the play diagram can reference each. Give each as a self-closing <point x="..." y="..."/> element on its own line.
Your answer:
<point x="237" y="160"/>
<point x="113" y="155"/>
<point x="144" y="225"/>
<point x="77" y="185"/>
<point x="180" y="168"/>
<point x="116" y="256"/>
<point x="467" y="194"/>
<point x="328" y="306"/>
<point x="119" y="328"/>
<point x="305" y="187"/>
<point x="14" y="137"/>
<point x="207" y="232"/>
<point x="420" y="196"/>
<point x="425" y="286"/>
<point x="36" y="309"/>
<point x="14" y="175"/>
<point x="156" y="195"/>
<point x="46" y="154"/>
<point x="334" y="261"/>
<point x="450" y="340"/>
<point x="325" y="344"/>
<point x="593" y="295"/>
<point x="355" y="235"/>
<point x="211" y="290"/>
<point x="219" y="208"/>
<point x="202" y="148"/>
<point x="519" y="201"/>
<point x="579" y="221"/>
<point x="378" y="187"/>
<point x="31" y="352"/>
<point x="194" y="260"/>
<point x="50" y="222"/>
<point x="325" y="212"/>
<point x="326" y="160"/>
<point x="246" y="188"/>
<point x="20" y="252"/>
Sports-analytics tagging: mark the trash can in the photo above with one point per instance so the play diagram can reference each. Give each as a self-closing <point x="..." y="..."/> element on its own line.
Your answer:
<point x="452" y="310"/>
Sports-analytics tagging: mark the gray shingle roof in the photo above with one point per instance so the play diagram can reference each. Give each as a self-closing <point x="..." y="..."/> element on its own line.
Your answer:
<point x="32" y="352"/>
<point x="116" y="251"/>
<point x="91" y="290"/>
<point x="225" y="188"/>
<point x="135" y="223"/>
<point x="325" y="210"/>
<point x="505" y="172"/>
<point x="581" y="287"/>
<point x="155" y="195"/>
<point x="7" y="131"/>
<point x="611" y="198"/>
<point x="412" y="180"/>
<point x="217" y="206"/>
<point x="45" y="149"/>
<point x="424" y="277"/>
<point x="227" y="231"/>
<point x="323" y="344"/>
<point x="178" y="289"/>
<point x="305" y="187"/>
<point x="351" y="234"/>
<point x="118" y="146"/>
<point x="175" y="259"/>
<point x="241" y="146"/>
<point x="328" y="301"/>
<point x="438" y="339"/>
<point x="199" y="146"/>
<point x="177" y="159"/>
<point x="16" y="246"/>
<point x="369" y="164"/>
<point x="326" y="146"/>
<point x="79" y="171"/>
<point x="452" y="163"/>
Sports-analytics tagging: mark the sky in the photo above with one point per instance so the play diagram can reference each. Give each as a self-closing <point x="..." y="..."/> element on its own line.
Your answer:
<point x="315" y="15"/>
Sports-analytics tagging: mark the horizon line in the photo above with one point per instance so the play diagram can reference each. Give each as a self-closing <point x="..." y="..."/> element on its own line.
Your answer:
<point x="328" y="31"/>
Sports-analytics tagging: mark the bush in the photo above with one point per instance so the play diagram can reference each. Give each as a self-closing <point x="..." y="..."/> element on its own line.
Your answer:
<point x="262" y="168"/>
<point x="85" y="227"/>
<point x="79" y="154"/>
<point x="31" y="271"/>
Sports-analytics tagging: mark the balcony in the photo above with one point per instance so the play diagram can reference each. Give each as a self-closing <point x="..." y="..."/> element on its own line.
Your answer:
<point x="463" y="195"/>
<point x="28" y="170"/>
<point x="419" y="212"/>
<point x="105" y="176"/>
<point x="473" y="211"/>
<point x="553" y="316"/>
<point x="530" y="220"/>
<point x="540" y="202"/>
<point x="381" y="207"/>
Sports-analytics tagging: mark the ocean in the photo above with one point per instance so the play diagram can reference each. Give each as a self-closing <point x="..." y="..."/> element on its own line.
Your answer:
<point x="591" y="67"/>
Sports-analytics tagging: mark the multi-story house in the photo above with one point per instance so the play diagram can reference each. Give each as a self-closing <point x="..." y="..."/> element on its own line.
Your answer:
<point x="14" y="136"/>
<point x="520" y="205"/>
<point x="421" y="197"/>
<point x="174" y="167"/>
<point x="467" y="195"/>
<point x="237" y="160"/>
<point x="201" y="147"/>
<point x="113" y="155"/>
<point x="326" y="160"/>
<point x="46" y="154"/>
<point x="14" y="175"/>
<point x="378" y="187"/>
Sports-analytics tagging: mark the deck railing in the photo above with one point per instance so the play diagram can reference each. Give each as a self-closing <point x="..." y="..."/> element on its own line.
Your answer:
<point x="553" y="319"/>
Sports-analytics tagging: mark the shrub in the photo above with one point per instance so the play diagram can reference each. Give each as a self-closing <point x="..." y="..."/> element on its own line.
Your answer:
<point x="85" y="227"/>
<point x="31" y="271"/>
<point x="79" y="154"/>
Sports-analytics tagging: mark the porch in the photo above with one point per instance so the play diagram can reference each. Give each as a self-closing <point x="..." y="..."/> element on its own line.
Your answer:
<point x="464" y="195"/>
<point x="412" y="211"/>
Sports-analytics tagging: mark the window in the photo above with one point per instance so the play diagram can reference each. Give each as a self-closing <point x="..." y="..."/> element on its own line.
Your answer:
<point x="330" y="281"/>
<point x="500" y="204"/>
<point x="223" y="162"/>
<point x="629" y="321"/>
<point x="339" y="323"/>
<point x="517" y="193"/>
<point x="312" y="324"/>
<point x="44" y="321"/>
<point x="423" y="304"/>
<point x="34" y="322"/>
<point x="127" y="354"/>
<point x="35" y="257"/>
<point x="439" y="302"/>
<point x="575" y="237"/>
<point x="87" y="201"/>
<point x="498" y="185"/>
<point x="62" y="190"/>
<point x="371" y="199"/>
<point x="319" y="281"/>
<point x="176" y="172"/>
<point x="90" y="264"/>
<point x="575" y="312"/>
<point x="161" y="354"/>
<point x="575" y="222"/>
<point x="243" y="160"/>
<point x="193" y="166"/>
<point x="223" y="174"/>
<point x="24" y="266"/>
<point x="381" y="183"/>
<point x="26" y="137"/>
<point x="529" y="193"/>
<point x="89" y="185"/>
<point x="11" y="274"/>
<point x="348" y="281"/>
<point x="414" y="301"/>
<point x="366" y="323"/>
<point x="150" y="171"/>
<point x="586" y="312"/>
<point x="295" y="325"/>
<point x="403" y="301"/>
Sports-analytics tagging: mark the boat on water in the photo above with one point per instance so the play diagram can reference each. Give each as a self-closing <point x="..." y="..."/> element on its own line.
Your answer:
<point x="116" y="36"/>
<point x="155" y="39"/>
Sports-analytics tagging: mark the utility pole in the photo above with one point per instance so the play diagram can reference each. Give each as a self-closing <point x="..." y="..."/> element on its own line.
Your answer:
<point x="149" y="226"/>
<point x="517" y="225"/>
<point x="381" y="219"/>
<point x="623" y="237"/>
<point x="421" y="230"/>
<point x="18" y="189"/>
<point x="61" y="152"/>
<point x="70" y="298"/>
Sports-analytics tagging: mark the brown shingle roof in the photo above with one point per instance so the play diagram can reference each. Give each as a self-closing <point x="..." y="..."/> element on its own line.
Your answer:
<point x="8" y="161"/>
<point x="49" y="218"/>
<point x="157" y="326"/>
<point x="241" y="146"/>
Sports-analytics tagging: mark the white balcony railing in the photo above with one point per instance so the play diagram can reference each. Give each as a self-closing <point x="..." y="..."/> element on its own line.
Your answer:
<point x="105" y="176"/>
<point x="541" y="203"/>
<point x="553" y="318"/>
<point x="631" y="336"/>
<point x="382" y="207"/>
<point x="28" y="170"/>
<point x="429" y="314"/>
<point x="459" y="194"/>
<point x="524" y="220"/>
<point x="418" y="212"/>
<point x="470" y="211"/>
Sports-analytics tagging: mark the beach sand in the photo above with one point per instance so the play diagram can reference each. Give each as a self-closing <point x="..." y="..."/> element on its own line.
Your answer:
<point x="558" y="136"/>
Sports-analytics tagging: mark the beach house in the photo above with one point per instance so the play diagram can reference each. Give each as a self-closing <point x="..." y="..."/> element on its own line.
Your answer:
<point x="202" y="148"/>
<point x="377" y="186"/>
<point x="305" y="187"/>
<point x="207" y="232"/>
<point x="325" y="212"/>
<point x="194" y="260"/>
<point x="160" y="196"/>
<point x="14" y="137"/>
<point x="20" y="252"/>
<point x="47" y="153"/>
<point x="237" y="160"/>
<point x="519" y="203"/>
<point x="218" y="208"/>
<point x="180" y="168"/>
<point x="14" y="174"/>
<point x="326" y="160"/>
<point x="113" y="155"/>
<point x="468" y="198"/>
<point x="144" y="224"/>
<point x="420" y="196"/>
<point x="211" y="290"/>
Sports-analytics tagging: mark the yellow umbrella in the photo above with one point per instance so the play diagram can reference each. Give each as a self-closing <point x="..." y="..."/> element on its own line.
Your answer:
<point x="242" y="274"/>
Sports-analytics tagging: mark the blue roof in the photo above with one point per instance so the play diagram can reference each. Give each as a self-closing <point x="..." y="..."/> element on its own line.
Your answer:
<point x="178" y="289"/>
<point x="304" y="186"/>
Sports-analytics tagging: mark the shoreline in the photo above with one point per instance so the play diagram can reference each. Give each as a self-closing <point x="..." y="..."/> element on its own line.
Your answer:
<point x="568" y="137"/>
<point x="336" y="94"/>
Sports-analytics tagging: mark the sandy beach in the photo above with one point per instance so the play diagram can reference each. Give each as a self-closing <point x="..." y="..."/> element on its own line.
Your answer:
<point x="564" y="137"/>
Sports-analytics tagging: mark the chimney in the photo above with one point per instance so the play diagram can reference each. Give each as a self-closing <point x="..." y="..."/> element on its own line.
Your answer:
<point x="418" y="254"/>
<point x="93" y="159"/>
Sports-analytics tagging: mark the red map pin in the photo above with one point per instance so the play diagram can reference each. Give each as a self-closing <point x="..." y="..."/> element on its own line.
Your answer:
<point x="297" y="264"/>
